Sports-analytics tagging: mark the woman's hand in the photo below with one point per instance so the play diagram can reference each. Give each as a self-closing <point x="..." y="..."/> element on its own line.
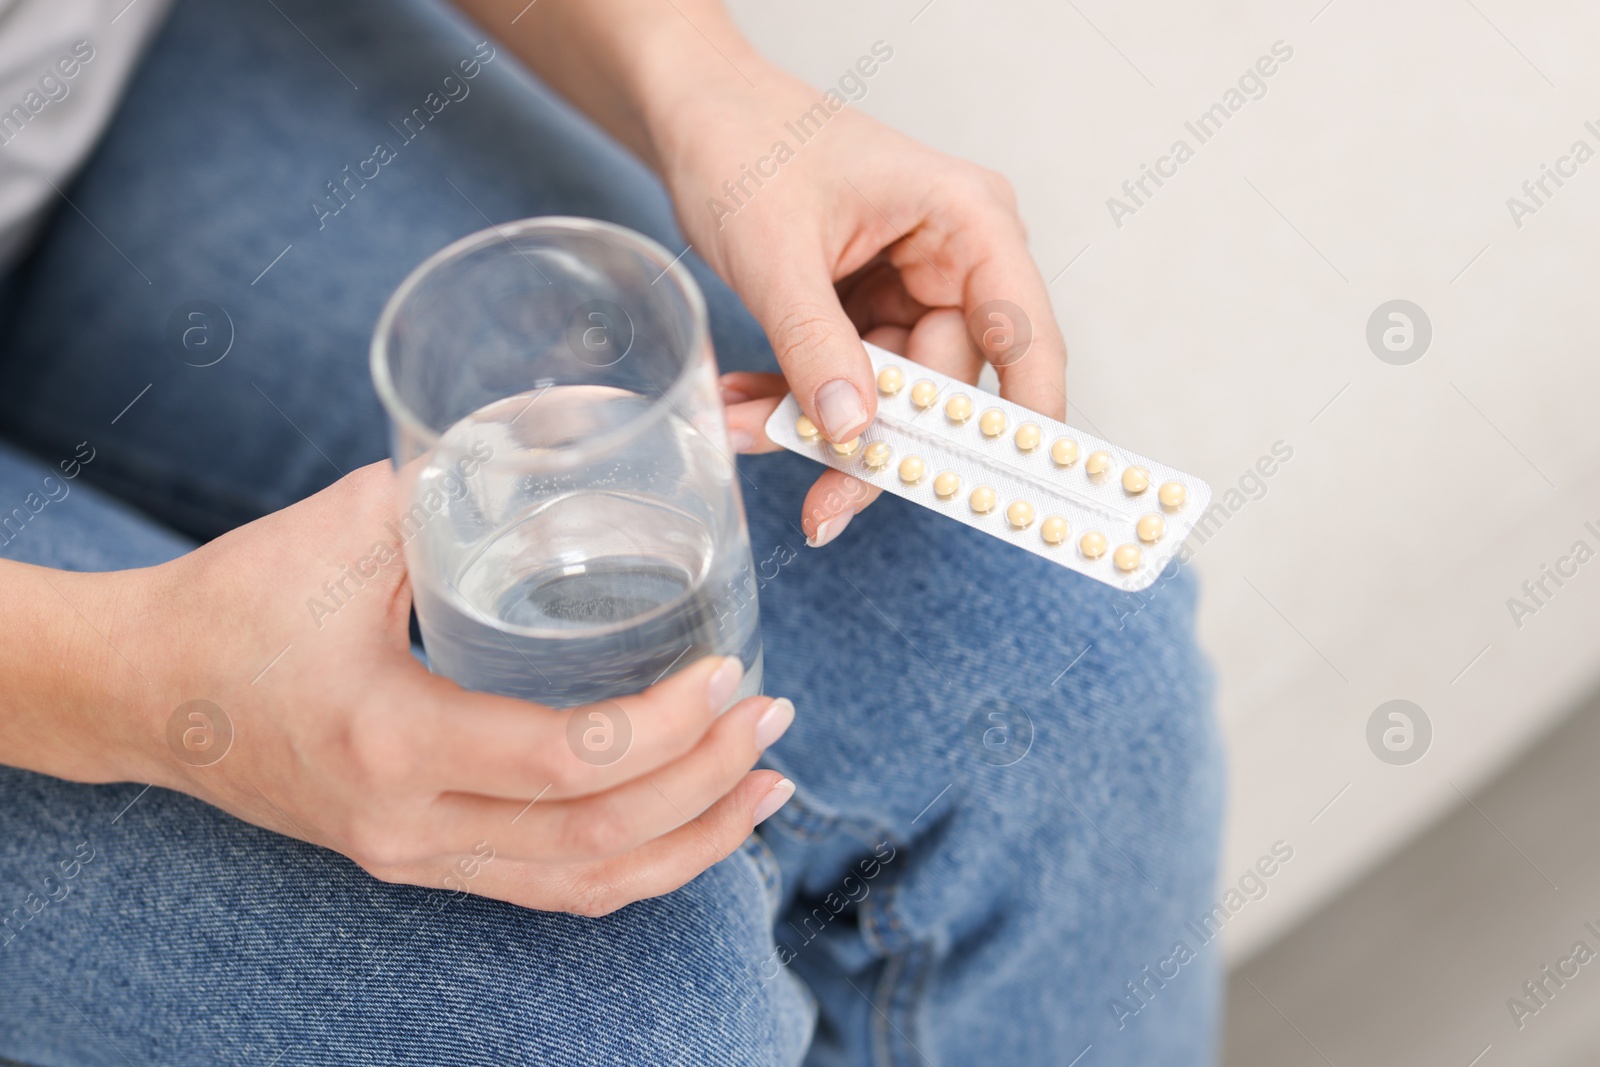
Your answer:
<point x="827" y="223"/>
<point x="857" y="229"/>
<point x="340" y="737"/>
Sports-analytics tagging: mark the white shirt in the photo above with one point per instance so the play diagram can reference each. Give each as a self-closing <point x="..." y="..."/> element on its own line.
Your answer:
<point x="63" y="65"/>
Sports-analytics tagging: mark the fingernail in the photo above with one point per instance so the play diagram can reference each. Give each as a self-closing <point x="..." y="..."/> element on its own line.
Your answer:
<point x="724" y="682"/>
<point x="741" y="440"/>
<point x="841" y="410"/>
<point x="773" y="722"/>
<point x="730" y="395"/>
<point x="829" y="529"/>
<point x="776" y="798"/>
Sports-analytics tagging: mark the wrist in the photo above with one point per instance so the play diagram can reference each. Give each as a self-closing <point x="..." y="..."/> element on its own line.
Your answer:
<point x="685" y="109"/>
<point x="78" y="701"/>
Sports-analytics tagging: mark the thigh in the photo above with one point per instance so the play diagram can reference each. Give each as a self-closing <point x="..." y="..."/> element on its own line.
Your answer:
<point x="204" y="308"/>
<point x="1010" y="795"/>
<point x="141" y="926"/>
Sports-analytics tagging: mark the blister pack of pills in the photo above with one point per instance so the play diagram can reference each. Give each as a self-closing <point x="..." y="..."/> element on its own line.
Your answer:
<point x="996" y="466"/>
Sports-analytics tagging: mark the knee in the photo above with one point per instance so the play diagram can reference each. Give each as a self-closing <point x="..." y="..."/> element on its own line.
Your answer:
<point x="1078" y="701"/>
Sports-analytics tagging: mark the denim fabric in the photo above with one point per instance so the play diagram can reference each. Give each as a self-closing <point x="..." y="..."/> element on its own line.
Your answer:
<point x="1010" y="783"/>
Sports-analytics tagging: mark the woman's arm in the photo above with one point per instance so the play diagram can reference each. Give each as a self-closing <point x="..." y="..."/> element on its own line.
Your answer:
<point x="826" y="223"/>
<point x="630" y="65"/>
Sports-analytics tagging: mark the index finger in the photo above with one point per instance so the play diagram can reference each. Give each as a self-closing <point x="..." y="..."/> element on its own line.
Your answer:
<point x="1011" y="320"/>
<point x="791" y="294"/>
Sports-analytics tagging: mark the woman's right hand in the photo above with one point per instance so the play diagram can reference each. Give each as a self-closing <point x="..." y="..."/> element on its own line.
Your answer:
<point x="341" y="738"/>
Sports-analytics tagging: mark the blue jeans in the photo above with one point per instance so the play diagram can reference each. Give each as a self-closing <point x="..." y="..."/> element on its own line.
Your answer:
<point x="1009" y="781"/>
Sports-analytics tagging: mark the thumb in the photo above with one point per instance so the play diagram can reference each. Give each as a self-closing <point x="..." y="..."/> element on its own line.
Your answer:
<point x="816" y="344"/>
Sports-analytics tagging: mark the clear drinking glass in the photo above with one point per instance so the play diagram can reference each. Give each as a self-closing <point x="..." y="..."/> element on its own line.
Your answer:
<point x="570" y="508"/>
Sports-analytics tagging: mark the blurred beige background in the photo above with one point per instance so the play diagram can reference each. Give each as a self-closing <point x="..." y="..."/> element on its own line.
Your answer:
<point x="1230" y="312"/>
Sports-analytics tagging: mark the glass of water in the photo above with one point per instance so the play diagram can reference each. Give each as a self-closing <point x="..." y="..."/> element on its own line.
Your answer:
<point x="570" y="507"/>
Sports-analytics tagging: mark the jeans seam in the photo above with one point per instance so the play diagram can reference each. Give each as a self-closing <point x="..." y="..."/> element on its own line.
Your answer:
<point x="881" y="925"/>
<point x="767" y="868"/>
<point x="802" y="820"/>
<point x="906" y="971"/>
<point x="899" y="990"/>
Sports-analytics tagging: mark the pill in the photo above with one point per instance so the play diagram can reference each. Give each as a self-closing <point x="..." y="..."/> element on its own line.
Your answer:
<point x="924" y="393"/>
<point x="891" y="380"/>
<point x="1126" y="557"/>
<point x="1135" y="480"/>
<point x="1093" y="544"/>
<point x="1172" y="495"/>
<point x="848" y="448"/>
<point x="1151" y="529"/>
<point x="946" y="485"/>
<point x="1064" y="451"/>
<point x="912" y="469"/>
<point x="1097" y="464"/>
<point x="1020" y="514"/>
<point x="1053" y="530"/>
<point x="993" y="423"/>
<point x="982" y="500"/>
<point x="1028" y="436"/>
<point x="877" y="455"/>
<point x="806" y="429"/>
<point x="958" y="408"/>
